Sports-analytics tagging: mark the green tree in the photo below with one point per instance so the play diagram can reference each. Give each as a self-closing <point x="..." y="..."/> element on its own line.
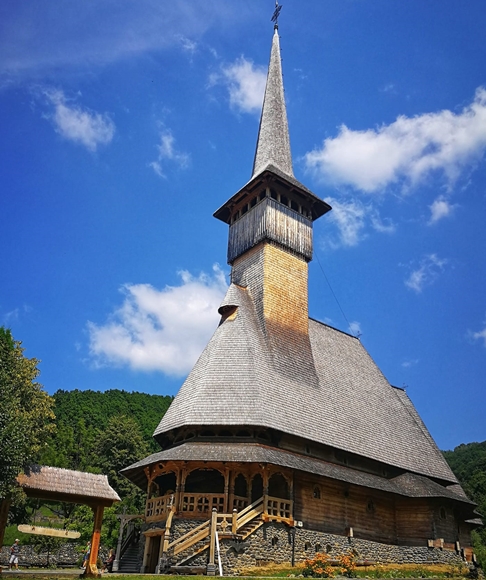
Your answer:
<point x="26" y="415"/>
<point x="120" y="444"/>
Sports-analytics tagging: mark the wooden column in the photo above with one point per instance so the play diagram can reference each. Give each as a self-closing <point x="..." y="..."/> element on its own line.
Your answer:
<point x="211" y="567"/>
<point x="231" y="491"/>
<point x="91" y="567"/>
<point x="226" y="507"/>
<point x="266" y="478"/>
<point x="145" y="554"/>
<point x="177" y="499"/>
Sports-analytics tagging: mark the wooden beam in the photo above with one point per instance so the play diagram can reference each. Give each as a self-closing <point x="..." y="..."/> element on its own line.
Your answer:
<point x="42" y="531"/>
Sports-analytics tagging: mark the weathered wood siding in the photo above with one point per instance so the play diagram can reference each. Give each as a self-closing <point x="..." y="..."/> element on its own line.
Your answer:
<point x="414" y="522"/>
<point x="270" y="220"/>
<point x="371" y="514"/>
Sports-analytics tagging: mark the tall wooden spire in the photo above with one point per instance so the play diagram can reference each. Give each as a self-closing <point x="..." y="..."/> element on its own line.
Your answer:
<point x="273" y="144"/>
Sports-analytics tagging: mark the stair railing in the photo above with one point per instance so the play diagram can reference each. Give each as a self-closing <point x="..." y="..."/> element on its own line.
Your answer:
<point x="234" y="521"/>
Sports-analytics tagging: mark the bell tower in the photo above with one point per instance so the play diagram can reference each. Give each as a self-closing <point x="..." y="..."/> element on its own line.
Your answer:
<point x="270" y="231"/>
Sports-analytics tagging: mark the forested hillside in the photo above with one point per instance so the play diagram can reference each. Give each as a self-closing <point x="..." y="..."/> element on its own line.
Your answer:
<point x="99" y="433"/>
<point x="468" y="462"/>
<point x="96" y="409"/>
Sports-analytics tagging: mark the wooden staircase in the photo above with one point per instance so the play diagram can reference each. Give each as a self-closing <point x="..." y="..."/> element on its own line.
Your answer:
<point x="236" y="525"/>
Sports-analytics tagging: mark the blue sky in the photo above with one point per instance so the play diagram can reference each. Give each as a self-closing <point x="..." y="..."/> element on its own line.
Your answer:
<point x="125" y="125"/>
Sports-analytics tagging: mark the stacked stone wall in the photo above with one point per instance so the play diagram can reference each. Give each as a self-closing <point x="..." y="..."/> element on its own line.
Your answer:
<point x="272" y="543"/>
<point x="68" y="555"/>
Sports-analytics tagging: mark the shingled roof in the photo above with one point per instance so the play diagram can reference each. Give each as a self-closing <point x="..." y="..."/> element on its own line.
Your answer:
<point x="67" y="485"/>
<point x="273" y="144"/>
<point x="352" y="407"/>
<point x="408" y="484"/>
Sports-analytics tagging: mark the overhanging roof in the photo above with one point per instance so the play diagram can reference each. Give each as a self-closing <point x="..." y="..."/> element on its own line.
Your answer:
<point x="56" y="484"/>
<point x="408" y="484"/>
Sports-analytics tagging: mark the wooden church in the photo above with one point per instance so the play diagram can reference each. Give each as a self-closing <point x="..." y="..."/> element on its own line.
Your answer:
<point x="286" y="438"/>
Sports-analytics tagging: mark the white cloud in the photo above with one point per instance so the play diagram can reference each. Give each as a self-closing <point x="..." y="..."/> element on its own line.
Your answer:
<point x="160" y="330"/>
<point x="405" y="152"/>
<point x="355" y="329"/>
<point x="167" y="151"/>
<point x="410" y="363"/>
<point x="188" y="45"/>
<point x="427" y="272"/>
<point x="245" y="82"/>
<point x="350" y="219"/>
<point x="104" y="32"/>
<point x="440" y="208"/>
<point x="78" y="124"/>
<point x="480" y="335"/>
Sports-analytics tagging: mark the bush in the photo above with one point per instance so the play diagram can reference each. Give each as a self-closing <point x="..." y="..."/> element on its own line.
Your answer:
<point x="318" y="567"/>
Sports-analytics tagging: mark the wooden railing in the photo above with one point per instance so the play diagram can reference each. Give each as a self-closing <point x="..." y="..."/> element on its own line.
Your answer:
<point x="195" y="535"/>
<point x="278" y="509"/>
<point x="239" y="502"/>
<point x="202" y="503"/>
<point x="271" y="508"/>
<point x="157" y="507"/>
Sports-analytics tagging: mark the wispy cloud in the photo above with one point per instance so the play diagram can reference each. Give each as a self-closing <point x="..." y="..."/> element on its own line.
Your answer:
<point x="79" y="124"/>
<point x="406" y="152"/>
<point x="352" y="218"/>
<point x="355" y="329"/>
<point x="160" y="330"/>
<point x="410" y="363"/>
<point x="349" y="217"/>
<point x="245" y="83"/>
<point x="480" y="335"/>
<point x="440" y="209"/>
<point x="427" y="272"/>
<point x="167" y="152"/>
<point x="54" y="35"/>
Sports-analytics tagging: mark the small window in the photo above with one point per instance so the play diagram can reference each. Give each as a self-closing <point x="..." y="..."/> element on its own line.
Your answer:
<point x="307" y="546"/>
<point x="316" y="493"/>
<point x="328" y="549"/>
<point x="284" y="199"/>
<point x="275" y="541"/>
<point x="273" y="194"/>
<point x="294" y="205"/>
<point x="370" y="507"/>
<point x="318" y="548"/>
<point x="244" y="209"/>
<point x="253" y="202"/>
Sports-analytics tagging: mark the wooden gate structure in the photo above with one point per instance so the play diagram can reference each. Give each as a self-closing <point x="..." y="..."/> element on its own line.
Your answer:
<point x="64" y="485"/>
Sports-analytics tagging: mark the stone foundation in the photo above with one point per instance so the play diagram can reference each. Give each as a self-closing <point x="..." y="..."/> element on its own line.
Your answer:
<point x="272" y="543"/>
<point x="70" y="555"/>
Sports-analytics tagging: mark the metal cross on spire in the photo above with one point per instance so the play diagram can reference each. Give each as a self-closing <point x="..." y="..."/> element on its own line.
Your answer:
<point x="276" y="13"/>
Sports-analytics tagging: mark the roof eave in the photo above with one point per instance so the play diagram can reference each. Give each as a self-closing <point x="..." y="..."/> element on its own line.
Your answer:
<point x="269" y="174"/>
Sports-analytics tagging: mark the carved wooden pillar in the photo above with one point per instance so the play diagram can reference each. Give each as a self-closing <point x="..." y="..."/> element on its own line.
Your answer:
<point x="231" y="492"/>
<point x="266" y="478"/>
<point x="92" y="567"/>
<point x="177" y="499"/>
<point x="226" y="489"/>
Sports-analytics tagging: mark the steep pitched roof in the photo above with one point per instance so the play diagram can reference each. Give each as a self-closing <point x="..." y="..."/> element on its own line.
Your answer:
<point x="352" y="407"/>
<point x="273" y="144"/>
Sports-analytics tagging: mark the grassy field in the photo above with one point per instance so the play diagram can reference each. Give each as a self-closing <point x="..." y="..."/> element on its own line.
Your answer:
<point x="407" y="571"/>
